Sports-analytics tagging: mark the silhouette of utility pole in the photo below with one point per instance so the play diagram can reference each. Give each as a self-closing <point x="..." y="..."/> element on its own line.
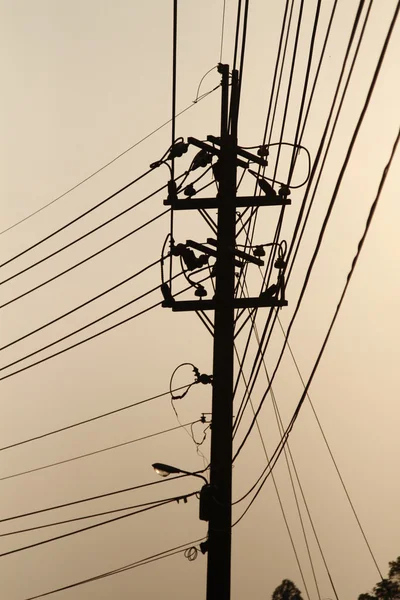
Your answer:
<point x="219" y="499"/>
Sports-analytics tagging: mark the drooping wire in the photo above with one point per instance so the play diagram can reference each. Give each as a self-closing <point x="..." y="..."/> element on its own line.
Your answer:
<point x="343" y="96"/>
<point x="123" y="322"/>
<point x="146" y="137"/>
<point x="70" y="312"/>
<point x="276" y="489"/>
<point x="90" y="420"/>
<point x="331" y="205"/>
<point x="139" y="563"/>
<point x="95" y="515"/>
<point x="88" y="528"/>
<point x="331" y="455"/>
<point x="100" y="451"/>
<point x="75" y="220"/>
<point x="92" y="498"/>
<point x="81" y="262"/>
<point x="348" y="279"/>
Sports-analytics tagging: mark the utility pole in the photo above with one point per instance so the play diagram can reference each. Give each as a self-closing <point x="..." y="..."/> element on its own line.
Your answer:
<point x="219" y="530"/>
<point x="219" y="499"/>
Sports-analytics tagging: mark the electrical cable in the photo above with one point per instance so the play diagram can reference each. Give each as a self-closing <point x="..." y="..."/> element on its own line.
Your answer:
<point x="355" y="24"/>
<point x="100" y="451"/>
<point x="49" y="236"/>
<point x="286" y="452"/>
<point x="139" y="563"/>
<point x="239" y="10"/>
<point x="90" y="420"/>
<point x="331" y="454"/>
<point x="197" y="99"/>
<point x="70" y="312"/>
<point x="87" y="528"/>
<point x="331" y="204"/>
<point x="98" y="333"/>
<point x="355" y="259"/>
<point x="91" y="498"/>
<point x="276" y="489"/>
<point x="81" y="262"/>
<point x="297" y="138"/>
<point x="222" y="31"/>
<point x="327" y="146"/>
<point x="327" y="125"/>
<point x="173" y="117"/>
<point x="94" y="515"/>
<point x="82" y="328"/>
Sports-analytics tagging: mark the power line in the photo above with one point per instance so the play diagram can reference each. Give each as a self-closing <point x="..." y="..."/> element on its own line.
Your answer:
<point x="90" y="527"/>
<point x="100" y="451"/>
<point x="49" y="236"/>
<point x="124" y="237"/>
<point x="277" y="491"/>
<point x="91" y="498"/>
<point x="331" y="453"/>
<point x="374" y="205"/>
<point x="328" y="214"/>
<point x="198" y="99"/>
<point x="68" y="335"/>
<point x="134" y="565"/>
<point x="222" y="30"/>
<point x="90" y="420"/>
<point x="94" y="515"/>
<point x="70" y="312"/>
<point x="145" y="310"/>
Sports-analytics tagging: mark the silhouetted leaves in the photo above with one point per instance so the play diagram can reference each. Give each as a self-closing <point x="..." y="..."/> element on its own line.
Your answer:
<point x="287" y="591"/>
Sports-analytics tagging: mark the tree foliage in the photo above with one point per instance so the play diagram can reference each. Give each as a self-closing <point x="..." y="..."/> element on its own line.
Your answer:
<point x="287" y="591"/>
<point x="387" y="589"/>
<point x="394" y="570"/>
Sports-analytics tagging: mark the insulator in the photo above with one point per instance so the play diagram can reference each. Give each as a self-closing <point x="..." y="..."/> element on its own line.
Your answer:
<point x="263" y="151"/>
<point x="189" y="190"/>
<point x="258" y="251"/>
<point x="267" y="188"/>
<point x="202" y="159"/>
<point x="270" y="292"/>
<point x="205" y="379"/>
<point x="280" y="263"/>
<point x="284" y="191"/>
<point x="177" y="150"/>
<point x="200" y="292"/>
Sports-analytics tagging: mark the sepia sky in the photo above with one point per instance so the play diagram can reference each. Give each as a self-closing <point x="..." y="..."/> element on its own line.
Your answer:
<point x="81" y="82"/>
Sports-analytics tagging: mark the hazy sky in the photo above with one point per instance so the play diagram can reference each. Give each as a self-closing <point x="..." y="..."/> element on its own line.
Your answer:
<point x="81" y="82"/>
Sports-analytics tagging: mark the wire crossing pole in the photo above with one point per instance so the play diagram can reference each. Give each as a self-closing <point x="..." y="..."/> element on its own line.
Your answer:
<point x="219" y="532"/>
<point x="216" y="498"/>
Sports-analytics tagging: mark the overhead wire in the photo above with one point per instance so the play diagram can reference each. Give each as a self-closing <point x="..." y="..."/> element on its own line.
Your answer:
<point x="98" y="333"/>
<point x="332" y="456"/>
<point x="86" y="303"/>
<point x="89" y="420"/>
<point x="90" y="527"/>
<point x="222" y="30"/>
<point x="343" y="96"/>
<point x="100" y="451"/>
<point x="330" y="207"/>
<point x="355" y="24"/>
<point x="150" y="559"/>
<point x="281" y="430"/>
<point x="92" y="498"/>
<point x="92" y="515"/>
<point x="85" y="260"/>
<point x="197" y="99"/>
<point x="75" y="220"/>
<point x="285" y="519"/>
